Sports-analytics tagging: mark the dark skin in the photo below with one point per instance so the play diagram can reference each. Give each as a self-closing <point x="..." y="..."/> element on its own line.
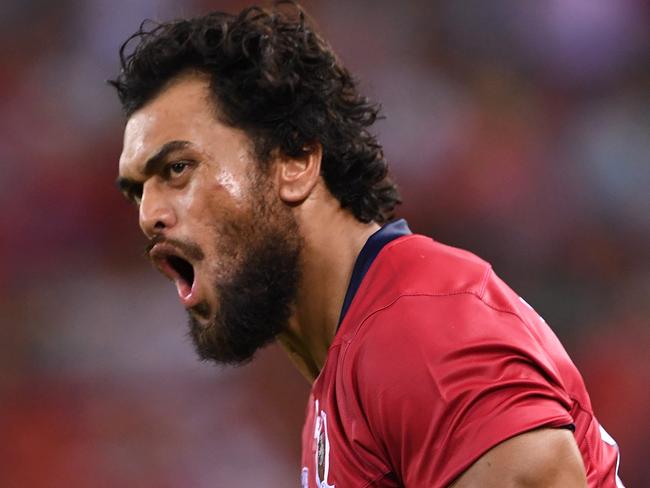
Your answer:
<point x="186" y="170"/>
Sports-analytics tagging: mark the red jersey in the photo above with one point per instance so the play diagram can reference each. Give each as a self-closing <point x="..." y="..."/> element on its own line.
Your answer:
<point x="436" y="361"/>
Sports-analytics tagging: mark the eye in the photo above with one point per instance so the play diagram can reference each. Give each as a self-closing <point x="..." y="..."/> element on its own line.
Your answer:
<point x="178" y="167"/>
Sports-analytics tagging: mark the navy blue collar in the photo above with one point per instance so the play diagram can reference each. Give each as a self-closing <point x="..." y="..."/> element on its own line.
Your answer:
<point x="366" y="257"/>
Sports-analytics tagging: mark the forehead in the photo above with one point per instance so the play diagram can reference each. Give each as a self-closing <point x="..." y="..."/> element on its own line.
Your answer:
<point x="182" y="111"/>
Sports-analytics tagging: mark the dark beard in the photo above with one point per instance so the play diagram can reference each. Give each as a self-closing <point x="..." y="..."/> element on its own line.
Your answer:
<point x="256" y="299"/>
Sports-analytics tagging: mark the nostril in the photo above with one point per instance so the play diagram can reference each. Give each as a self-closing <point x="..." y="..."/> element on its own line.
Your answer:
<point x="159" y="225"/>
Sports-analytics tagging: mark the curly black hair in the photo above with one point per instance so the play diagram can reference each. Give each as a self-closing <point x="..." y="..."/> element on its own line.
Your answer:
<point x="274" y="77"/>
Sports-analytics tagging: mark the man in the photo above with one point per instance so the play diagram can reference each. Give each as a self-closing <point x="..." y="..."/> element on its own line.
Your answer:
<point x="247" y="150"/>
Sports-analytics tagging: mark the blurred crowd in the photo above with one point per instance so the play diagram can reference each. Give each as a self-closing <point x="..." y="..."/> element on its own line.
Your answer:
<point x="518" y="130"/>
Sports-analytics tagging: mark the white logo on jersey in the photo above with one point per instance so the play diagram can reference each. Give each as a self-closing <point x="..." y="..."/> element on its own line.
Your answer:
<point x="322" y="445"/>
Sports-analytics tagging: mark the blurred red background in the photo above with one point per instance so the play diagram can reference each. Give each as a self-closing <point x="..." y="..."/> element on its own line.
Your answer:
<point x="519" y="130"/>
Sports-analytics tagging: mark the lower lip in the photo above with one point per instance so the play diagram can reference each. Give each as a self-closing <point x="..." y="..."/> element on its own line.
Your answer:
<point x="188" y="295"/>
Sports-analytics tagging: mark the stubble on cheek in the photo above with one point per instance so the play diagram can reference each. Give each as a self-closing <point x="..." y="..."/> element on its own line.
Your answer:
<point x="256" y="249"/>
<point x="228" y="239"/>
<point x="227" y="224"/>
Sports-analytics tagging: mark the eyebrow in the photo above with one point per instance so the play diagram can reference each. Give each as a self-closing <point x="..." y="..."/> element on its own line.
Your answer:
<point x="152" y="166"/>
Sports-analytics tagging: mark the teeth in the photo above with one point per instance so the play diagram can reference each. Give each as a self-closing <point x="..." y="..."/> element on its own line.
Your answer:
<point x="184" y="290"/>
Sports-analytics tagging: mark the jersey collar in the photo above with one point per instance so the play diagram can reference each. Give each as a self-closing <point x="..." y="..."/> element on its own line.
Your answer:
<point x="369" y="252"/>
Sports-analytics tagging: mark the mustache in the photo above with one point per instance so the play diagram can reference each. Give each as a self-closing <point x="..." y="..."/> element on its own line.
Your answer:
<point x="190" y="250"/>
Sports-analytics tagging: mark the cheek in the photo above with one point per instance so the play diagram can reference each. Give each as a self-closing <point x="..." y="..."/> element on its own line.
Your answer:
<point x="211" y="202"/>
<point x="193" y="206"/>
<point x="188" y="199"/>
<point x="227" y="183"/>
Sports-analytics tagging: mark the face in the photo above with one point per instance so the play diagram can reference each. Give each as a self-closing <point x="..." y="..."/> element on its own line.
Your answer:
<point x="216" y="226"/>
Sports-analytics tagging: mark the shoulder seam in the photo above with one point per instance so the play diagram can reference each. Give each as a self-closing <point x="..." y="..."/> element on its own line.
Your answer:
<point x="488" y="270"/>
<point x="478" y="295"/>
<point x="406" y="295"/>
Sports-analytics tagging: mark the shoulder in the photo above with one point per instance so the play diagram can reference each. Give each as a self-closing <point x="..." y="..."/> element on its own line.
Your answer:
<point x="433" y="338"/>
<point x="423" y="294"/>
<point x="435" y="311"/>
<point x="448" y="345"/>
<point x="446" y="361"/>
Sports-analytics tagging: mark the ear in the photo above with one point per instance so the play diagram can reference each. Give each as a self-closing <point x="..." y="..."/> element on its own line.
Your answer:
<point x="297" y="177"/>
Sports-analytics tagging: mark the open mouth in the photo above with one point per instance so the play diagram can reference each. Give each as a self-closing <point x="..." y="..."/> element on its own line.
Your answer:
<point x="180" y="271"/>
<point x="170" y="261"/>
<point x="183" y="269"/>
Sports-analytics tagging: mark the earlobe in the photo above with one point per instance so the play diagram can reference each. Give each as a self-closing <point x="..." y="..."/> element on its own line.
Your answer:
<point x="297" y="177"/>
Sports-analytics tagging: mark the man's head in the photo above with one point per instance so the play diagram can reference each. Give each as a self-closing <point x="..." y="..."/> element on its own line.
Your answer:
<point x="231" y="122"/>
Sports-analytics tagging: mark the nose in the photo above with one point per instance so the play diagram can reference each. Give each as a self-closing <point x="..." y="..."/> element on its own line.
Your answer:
<point x="156" y="212"/>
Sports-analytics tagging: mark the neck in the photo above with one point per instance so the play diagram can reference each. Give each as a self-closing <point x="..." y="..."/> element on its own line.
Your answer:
<point x="333" y="240"/>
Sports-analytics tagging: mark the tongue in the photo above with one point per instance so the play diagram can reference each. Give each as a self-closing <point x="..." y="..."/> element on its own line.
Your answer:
<point x="184" y="290"/>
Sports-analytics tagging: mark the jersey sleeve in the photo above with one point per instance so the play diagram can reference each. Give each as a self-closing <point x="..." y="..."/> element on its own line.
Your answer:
<point x="442" y="379"/>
